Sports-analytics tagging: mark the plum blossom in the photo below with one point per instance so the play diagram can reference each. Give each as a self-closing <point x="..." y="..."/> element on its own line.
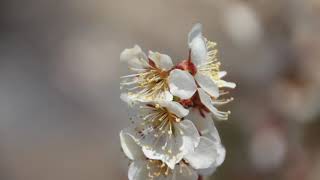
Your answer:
<point x="201" y="73"/>
<point x="149" y="82"/>
<point x="163" y="132"/>
<point x="172" y="136"/>
<point x="204" y="57"/>
<point x="202" y="161"/>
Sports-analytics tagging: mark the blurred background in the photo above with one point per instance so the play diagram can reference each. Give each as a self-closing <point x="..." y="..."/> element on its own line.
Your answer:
<point x="60" y="112"/>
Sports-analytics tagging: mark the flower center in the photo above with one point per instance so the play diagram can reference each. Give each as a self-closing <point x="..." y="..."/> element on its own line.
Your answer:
<point x="196" y="103"/>
<point x="151" y="84"/>
<point x="187" y="65"/>
<point x="161" y="121"/>
<point x="157" y="168"/>
<point x="158" y="126"/>
<point x="148" y="84"/>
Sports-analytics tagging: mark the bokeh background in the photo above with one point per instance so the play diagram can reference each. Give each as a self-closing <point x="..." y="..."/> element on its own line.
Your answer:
<point x="60" y="112"/>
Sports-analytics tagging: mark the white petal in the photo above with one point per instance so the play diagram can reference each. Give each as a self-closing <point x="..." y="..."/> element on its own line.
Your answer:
<point x="207" y="171"/>
<point x="226" y="84"/>
<point x="181" y="84"/>
<point x="207" y="129"/>
<point x="132" y="98"/>
<point x="131" y="53"/>
<point x="165" y="96"/>
<point x="204" y="156"/>
<point x="135" y="57"/>
<point x="208" y="103"/>
<point x="222" y="74"/>
<point x="197" y="45"/>
<point x="205" y="125"/>
<point x="207" y="84"/>
<point x="206" y="100"/>
<point x="221" y="154"/>
<point x="184" y="172"/>
<point x="162" y="61"/>
<point x="195" y="32"/>
<point x="175" y="108"/>
<point x="158" y="154"/>
<point x="219" y="161"/>
<point x="189" y="135"/>
<point x="198" y="51"/>
<point x="138" y="170"/>
<point x="130" y="147"/>
<point x="125" y="97"/>
<point x="162" y="96"/>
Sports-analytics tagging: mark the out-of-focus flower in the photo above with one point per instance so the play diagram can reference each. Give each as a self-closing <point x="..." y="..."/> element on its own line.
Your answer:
<point x="163" y="132"/>
<point x="288" y="98"/>
<point x="242" y="24"/>
<point x="268" y="149"/>
<point x="151" y="73"/>
<point x="202" y="161"/>
<point x="204" y="68"/>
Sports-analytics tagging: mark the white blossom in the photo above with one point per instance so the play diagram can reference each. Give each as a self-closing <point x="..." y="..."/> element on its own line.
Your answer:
<point x="207" y="77"/>
<point x="200" y="162"/>
<point x="163" y="132"/>
<point x="149" y="82"/>
<point x="204" y="56"/>
<point x="172" y="136"/>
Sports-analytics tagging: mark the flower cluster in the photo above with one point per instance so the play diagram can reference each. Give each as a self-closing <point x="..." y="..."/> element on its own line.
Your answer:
<point x="173" y="135"/>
